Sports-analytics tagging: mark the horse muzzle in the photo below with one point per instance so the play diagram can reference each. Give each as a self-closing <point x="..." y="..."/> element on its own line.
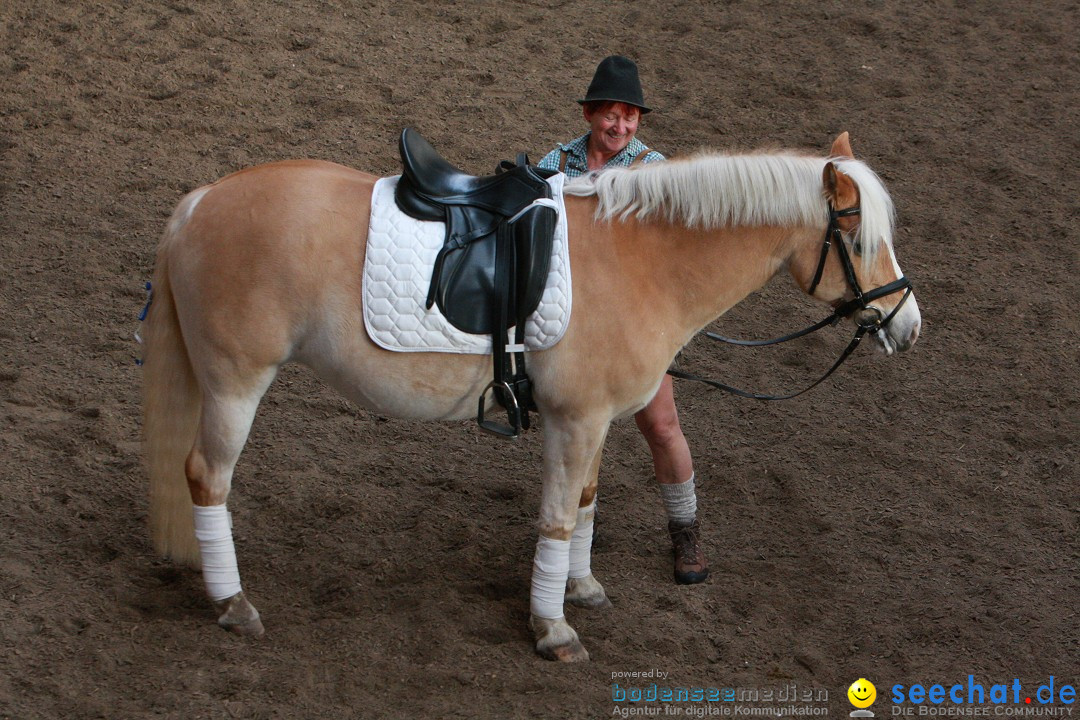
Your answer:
<point x="897" y="331"/>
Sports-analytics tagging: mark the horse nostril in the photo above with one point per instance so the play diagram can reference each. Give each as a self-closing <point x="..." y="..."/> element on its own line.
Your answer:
<point x="914" y="334"/>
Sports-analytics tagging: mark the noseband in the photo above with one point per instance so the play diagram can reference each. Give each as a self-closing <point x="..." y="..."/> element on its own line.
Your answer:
<point x="860" y="303"/>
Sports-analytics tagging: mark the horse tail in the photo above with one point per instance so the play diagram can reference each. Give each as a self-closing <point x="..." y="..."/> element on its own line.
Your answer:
<point x="172" y="401"/>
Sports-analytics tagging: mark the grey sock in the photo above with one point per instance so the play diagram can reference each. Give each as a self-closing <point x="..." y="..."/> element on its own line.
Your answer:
<point x="680" y="501"/>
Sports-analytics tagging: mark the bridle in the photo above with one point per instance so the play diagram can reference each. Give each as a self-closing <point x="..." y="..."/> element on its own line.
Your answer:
<point x="862" y="300"/>
<point x="870" y="319"/>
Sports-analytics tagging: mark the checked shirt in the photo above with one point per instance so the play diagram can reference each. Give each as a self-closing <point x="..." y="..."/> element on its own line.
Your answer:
<point x="577" y="164"/>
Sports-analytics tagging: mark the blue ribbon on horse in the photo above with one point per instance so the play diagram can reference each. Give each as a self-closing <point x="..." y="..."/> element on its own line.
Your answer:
<point x="149" y="299"/>
<point x="142" y="315"/>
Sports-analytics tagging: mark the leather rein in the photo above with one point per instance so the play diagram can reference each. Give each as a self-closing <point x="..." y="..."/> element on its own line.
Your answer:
<point x="859" y="304"/>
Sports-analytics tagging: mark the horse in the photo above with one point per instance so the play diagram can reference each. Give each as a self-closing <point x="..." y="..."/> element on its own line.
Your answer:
<point x="261" y="268"/>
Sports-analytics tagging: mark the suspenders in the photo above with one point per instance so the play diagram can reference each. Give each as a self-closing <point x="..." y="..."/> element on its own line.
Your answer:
<point x="563" y="154"/>
<point x="640" y="157"/>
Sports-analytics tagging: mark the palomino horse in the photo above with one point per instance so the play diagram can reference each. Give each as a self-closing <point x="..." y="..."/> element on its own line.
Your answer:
<point x="263" y="267"/>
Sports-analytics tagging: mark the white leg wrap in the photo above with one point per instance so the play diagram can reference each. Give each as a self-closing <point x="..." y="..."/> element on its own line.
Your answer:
<point x="213" y="529"/>
<point x="581" y="542"/>
<point x="551" y="566"/>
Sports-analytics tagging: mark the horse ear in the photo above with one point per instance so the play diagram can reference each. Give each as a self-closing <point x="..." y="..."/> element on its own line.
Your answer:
<point x="839" y="188"/>
<point x="841" y="147"/>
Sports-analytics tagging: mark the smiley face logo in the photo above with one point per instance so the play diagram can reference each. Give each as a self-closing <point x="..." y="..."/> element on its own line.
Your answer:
<point x="862" y="693"/>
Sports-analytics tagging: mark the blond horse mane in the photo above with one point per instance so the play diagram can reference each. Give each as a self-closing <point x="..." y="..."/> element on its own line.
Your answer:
<point x="711" y="190"/>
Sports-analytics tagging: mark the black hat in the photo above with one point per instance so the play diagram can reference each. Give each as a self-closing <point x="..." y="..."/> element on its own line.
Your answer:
<point x="616" y="79"/>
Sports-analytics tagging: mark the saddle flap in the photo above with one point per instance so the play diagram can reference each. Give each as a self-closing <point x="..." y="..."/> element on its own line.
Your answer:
<point x="533" y="235"/>
<point x="467" y="284"/>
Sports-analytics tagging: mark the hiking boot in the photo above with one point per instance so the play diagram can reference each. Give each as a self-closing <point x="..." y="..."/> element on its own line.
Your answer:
<point x="690" y="564"/>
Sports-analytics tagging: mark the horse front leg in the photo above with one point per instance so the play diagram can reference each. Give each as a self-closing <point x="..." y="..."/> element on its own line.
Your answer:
<point x="571" y="446"/>
<point x="582" y="589"/>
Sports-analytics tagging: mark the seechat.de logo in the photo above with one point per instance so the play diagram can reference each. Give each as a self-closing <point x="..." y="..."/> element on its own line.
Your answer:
<point x="862" y="694"/>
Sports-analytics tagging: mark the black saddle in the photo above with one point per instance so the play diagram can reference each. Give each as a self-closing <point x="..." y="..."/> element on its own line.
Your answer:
<point x="490" y="274"/>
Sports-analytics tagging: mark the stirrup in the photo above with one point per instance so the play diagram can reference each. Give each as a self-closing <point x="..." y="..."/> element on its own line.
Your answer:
<point x="513" y="412"/>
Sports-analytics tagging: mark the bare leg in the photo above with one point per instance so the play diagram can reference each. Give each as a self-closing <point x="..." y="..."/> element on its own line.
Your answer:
<point x="659" y="423"/>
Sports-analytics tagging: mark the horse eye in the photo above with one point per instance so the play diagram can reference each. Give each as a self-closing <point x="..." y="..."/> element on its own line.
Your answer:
<point x="854" y="242"/>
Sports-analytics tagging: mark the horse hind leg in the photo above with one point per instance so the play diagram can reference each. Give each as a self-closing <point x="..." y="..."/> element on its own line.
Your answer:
<point x="223" y="429"/>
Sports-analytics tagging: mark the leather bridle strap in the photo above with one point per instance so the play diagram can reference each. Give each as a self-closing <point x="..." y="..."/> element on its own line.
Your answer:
<point x="832" y="230"/>
<point x="859" y="332"/>
<point x="861" y="301"/>
<point x="831" y="320"/>
<point x="841" y="311"/>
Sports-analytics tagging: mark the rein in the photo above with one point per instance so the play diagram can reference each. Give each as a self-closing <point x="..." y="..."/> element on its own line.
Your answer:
<point x="861" y="302"/>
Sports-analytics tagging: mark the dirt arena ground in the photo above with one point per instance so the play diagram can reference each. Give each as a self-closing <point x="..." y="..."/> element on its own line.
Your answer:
<point x="912" y="521"/>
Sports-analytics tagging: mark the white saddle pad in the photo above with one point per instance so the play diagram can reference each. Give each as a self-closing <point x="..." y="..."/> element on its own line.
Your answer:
<point x="397" y="272"/>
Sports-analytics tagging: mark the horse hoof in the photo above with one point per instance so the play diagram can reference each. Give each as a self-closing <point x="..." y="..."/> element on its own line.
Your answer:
<point x="239" y="616"/>
<point x="574" y="652"/>
<point x="556" y="640"/>
<point x="601" y="603"/>
<point x="587" y="593"/>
